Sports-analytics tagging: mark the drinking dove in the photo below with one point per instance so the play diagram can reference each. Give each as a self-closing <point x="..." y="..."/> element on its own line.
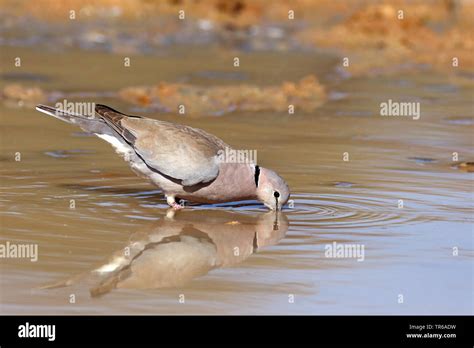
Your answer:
<point x="184" y="162"/>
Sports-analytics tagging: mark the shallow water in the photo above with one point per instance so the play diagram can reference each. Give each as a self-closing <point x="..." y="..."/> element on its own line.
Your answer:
<point x="408" y="250"/>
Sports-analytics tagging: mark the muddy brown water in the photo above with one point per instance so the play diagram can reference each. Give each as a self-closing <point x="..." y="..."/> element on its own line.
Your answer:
<point x="237" y="258"/>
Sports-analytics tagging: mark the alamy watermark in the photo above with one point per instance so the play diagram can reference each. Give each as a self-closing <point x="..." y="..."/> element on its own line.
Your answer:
<point x="19" y="251"/>
<point x="237" y="156"/>
<point x="406" y="109"/>
<point x="345" y="251"/>
<point x="78" y="108"/>
<point x="28" y="330"/>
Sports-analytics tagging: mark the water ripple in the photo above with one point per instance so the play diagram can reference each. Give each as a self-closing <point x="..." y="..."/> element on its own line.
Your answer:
<point x="334" y="211"/>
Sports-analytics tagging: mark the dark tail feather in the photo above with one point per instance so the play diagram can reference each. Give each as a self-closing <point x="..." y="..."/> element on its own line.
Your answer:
<point x="101" y="109"/>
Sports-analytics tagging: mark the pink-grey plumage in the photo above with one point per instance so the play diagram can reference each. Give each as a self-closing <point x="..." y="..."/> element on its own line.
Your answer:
<point x="183" y="161"/>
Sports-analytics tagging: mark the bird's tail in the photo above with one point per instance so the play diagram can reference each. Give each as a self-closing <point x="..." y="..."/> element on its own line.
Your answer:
<point x="89" y="123"/>
<point x="63" y="115"/>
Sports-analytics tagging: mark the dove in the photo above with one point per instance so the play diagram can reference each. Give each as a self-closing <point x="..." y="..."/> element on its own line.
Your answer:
<point x="184" y="162"/>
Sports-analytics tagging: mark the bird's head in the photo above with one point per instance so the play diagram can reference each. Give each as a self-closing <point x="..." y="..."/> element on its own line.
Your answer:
<point x="272" y="190"/>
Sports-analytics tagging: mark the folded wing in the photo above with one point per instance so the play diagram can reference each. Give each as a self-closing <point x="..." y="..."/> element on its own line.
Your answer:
<point x="180" y="152"/>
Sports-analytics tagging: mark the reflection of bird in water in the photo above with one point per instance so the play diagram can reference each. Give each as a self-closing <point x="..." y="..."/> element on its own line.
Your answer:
<point x="183" y="246"/>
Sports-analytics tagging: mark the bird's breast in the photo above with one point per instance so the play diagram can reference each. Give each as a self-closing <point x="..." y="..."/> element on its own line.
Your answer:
<point x="234" y="182"/>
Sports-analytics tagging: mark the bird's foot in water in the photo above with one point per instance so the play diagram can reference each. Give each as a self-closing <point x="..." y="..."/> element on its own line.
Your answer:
<point x="173" y="204"/>
<point x="176" y="206"/>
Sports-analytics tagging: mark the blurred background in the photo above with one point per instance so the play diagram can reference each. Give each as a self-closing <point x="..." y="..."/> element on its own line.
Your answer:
<point x="377" y="37"/>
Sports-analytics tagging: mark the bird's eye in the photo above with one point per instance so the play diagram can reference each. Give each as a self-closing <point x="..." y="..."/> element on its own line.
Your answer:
<point x="276" y="194"/>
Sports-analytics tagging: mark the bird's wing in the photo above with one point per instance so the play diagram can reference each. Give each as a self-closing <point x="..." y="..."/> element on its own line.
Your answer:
<point x="180" y="152"/>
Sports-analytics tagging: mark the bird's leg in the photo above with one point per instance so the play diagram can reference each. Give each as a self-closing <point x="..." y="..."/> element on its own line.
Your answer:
<point x="172" y="203"/>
